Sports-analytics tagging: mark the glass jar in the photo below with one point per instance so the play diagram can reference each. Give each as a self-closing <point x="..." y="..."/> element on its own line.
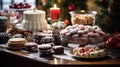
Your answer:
<point x="3" y="23"/>
<point x="83" y="17"/>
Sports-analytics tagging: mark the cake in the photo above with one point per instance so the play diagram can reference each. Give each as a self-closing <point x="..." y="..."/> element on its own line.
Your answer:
<point x="82" y="34"/>
<point x="58" y="49"/>
<point x="45" y="50"/>
<point x="16" y="43"/>
<point x="47" y="39"/>
<point x="57" y="27"/>
<point x="4" y="37"/>
<point x="34" y="20"/>
<point x="37" y="38"/>
<point x="89" y="51"/>
<point x="41" y="37"/>
<point x="31" y="46"/>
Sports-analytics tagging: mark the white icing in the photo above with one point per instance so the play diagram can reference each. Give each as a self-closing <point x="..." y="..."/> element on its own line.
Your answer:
<point x="34" y="20"/>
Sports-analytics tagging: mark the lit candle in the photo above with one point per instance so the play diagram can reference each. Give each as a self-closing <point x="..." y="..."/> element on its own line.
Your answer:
<point x="54" y="12"/>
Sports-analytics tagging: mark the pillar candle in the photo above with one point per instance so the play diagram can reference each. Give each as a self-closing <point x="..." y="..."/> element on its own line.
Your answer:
<point x="54" y="12"/>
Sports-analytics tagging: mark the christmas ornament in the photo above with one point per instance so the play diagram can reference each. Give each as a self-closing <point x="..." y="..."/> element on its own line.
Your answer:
<point x="71" y="7"/>
<point x="113" y="42"/>
<point x="66" y="22"/>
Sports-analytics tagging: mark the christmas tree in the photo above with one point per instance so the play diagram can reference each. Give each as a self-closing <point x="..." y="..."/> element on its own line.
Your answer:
<point x="66" y="6"/>
<point x="109" y="19"/>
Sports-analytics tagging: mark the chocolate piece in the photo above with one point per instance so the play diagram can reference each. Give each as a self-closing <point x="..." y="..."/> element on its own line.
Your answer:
<point x="44" y="49"/>
<point x="47" y="39"/>
<point x="58" y="49"/>
<point x="31" y="47"/>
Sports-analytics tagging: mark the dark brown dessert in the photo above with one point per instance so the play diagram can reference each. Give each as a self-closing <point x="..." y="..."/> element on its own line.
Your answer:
<point x="58" y="49"/>
<point x="31" y="47"/>
<point x="4" y="37"/>
<point x="45" y="50"/>
<point x="3" y="24"/>
<point x="47" y="39"/>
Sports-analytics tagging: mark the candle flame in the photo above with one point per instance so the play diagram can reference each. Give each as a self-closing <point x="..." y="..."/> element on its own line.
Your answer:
<point x="55" y="6"/>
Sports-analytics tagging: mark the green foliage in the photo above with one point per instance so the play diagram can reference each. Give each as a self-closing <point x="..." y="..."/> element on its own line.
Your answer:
<point x="101" y="18"/>
<point x="64" y="4"/>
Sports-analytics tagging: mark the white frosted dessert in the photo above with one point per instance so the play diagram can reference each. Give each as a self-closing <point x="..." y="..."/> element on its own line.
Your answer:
<point x="89" y="51"/>
<point x="34" y="20"/>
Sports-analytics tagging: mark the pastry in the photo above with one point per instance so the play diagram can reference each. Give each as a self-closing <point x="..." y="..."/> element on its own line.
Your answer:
<point x="83" y="34"/>
<point x="47" y="39"/>
<point x="15" y="30"/>
<point x="58" y="49"/>
<point x="58" y="25"/>
<point x="89" y="51"/>
<point x="45" y="50"/>
<point x="16" y="42"/>
<point x="31" y="46"/>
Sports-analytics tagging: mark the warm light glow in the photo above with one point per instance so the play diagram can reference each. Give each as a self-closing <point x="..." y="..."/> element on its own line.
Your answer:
<point x="94" y="12"/>
<point x="55" y="6"/>
<point x="55" y="61"/>
<point x="54" y="12"/>
<point x="82" y="11"/>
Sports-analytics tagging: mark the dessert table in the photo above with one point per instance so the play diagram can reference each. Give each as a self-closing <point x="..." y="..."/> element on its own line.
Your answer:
<point x="20" y="58"/>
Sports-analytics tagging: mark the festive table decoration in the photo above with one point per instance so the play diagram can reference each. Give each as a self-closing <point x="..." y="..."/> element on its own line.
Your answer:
<point x="54" y="12"/>
<point x="83" y="17"/>
<point x="57" y="27"/>
<point x="20" y="5"/>
<point x="82" y="34"/>
<point x="113" y="41"/>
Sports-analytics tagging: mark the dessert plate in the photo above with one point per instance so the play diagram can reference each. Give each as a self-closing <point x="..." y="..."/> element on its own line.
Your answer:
<point x="89" y="58"/>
